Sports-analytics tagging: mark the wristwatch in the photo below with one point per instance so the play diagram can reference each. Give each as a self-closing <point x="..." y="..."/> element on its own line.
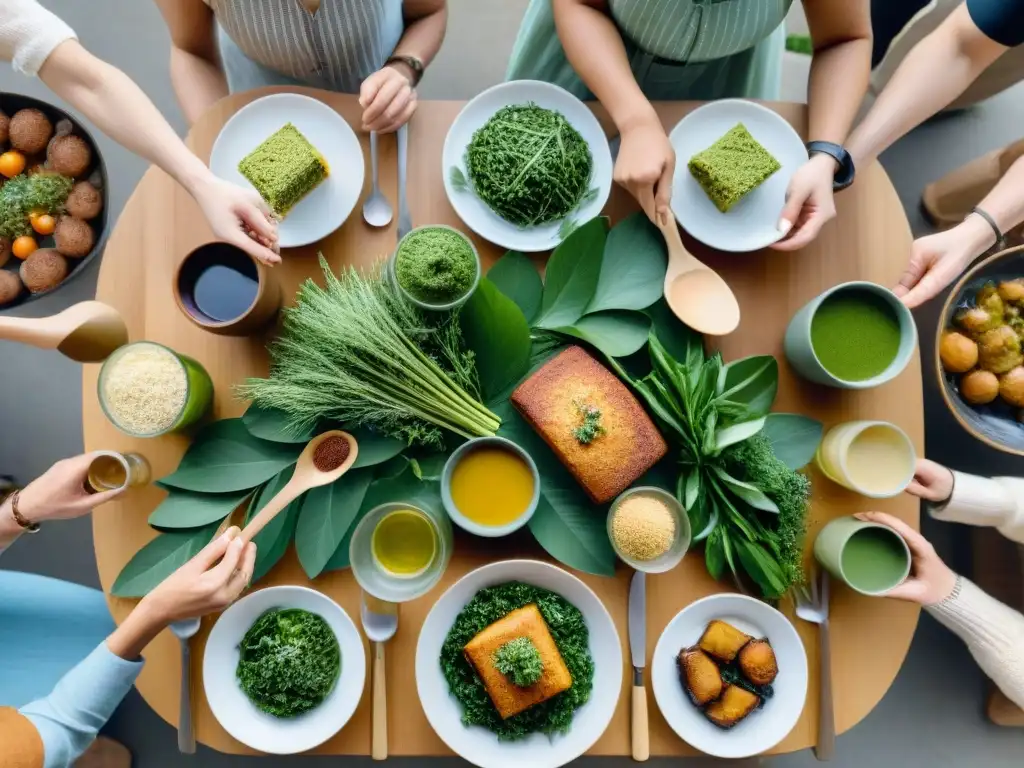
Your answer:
<point x="844" y="176"/>
<point x="412" y="63"/>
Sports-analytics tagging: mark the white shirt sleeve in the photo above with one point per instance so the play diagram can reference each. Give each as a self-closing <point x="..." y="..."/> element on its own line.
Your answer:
<point x="29" y="33"/>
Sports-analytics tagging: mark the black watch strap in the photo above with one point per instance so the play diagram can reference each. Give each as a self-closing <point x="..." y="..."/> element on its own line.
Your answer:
<point x="412" y="63"/>
<point x="844" y="176"/>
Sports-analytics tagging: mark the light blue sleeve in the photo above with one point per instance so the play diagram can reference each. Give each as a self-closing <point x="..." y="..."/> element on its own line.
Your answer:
<point x="80" y="704"/>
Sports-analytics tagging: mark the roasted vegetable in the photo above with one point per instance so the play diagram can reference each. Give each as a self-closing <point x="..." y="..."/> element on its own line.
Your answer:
<point x="999" y="349"/>
<point x="700" y="675"/>
<point x="732" y="706"/>
<point x="722" y="640"/>
<point x="757" y="662"/>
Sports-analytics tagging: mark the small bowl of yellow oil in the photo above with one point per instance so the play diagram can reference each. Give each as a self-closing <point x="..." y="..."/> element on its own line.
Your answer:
<point x="399" y="551"/>
<point x="490" y="487"/>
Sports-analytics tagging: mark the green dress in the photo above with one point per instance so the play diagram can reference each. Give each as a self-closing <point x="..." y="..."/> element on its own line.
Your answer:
<point x="678" y="49"/>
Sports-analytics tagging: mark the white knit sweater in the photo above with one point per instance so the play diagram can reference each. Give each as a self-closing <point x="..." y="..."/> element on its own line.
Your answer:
<point x="993" y="632"/>
<point x="28" y="34"/>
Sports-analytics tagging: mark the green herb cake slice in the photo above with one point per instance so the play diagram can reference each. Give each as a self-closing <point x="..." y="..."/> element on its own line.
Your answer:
<point x="284" y="168"/>
<point x="732" y="167"/>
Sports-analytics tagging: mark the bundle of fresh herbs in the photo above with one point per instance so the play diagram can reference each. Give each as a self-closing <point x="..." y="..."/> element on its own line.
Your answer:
<point x="45" y="192"/>
<point x="356" y="352"/>
<point x="738" y="478"/>
<point x="569" y="630"/>
<point x="528" y="164"/>
<point x="289" y="661"/>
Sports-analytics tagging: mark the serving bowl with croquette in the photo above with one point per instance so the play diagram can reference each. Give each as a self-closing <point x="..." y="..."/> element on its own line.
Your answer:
<point x="53" y="213"/>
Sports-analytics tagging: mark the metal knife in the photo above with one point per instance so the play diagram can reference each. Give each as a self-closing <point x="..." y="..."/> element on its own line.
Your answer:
<point x="404" y="219"/>
<point x="638" y="652"/>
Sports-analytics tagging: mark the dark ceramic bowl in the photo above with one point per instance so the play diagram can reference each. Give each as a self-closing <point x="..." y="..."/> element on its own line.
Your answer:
<point x="11" y="103"/>
<point x="995" y="424"/>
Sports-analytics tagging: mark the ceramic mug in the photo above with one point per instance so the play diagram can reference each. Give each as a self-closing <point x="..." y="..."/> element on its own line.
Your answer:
<point x="873" y="458"/>
<point x="800" y="351"/>
<point x="870" y="558"/>
<point x="247" y="320"/>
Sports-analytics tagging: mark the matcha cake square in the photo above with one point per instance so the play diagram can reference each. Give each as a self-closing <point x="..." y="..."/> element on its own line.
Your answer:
<point x="284" y="168"/>
<point x="731" y="167"/>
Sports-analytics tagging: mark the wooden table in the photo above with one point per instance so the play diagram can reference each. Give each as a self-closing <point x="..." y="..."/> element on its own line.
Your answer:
<point x="160" y="224"/>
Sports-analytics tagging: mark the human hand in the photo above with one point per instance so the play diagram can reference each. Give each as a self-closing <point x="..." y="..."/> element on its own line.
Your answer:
<point x="932" y="482"/>
<point x="809" y="203"/>
<point x="646" y="165"/>
<point x="937" y="260"/>
<point x="931" y="581"/>
<point x="60" y="493"/>
<point x="388" y="99"/>
<point x="203" y="585"/>
<point x="240" y="217"/>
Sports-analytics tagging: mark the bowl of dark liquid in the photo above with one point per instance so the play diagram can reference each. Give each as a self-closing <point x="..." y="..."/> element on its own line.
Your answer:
<point x="222" y="289"/>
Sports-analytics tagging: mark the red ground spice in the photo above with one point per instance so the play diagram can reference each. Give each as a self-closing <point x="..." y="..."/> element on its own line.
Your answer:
<point x="331" y="453"/>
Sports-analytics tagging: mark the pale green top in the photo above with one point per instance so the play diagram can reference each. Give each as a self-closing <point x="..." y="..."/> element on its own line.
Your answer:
<point x="678" y="49"/>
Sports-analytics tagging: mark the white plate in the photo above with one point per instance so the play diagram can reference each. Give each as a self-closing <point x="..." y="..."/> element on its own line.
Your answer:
<point x="762" y="729"/>
<point x="328" y="206"/>
<point x="232" y="708"/>
<point x="753" y="222"/>
<point x="473" y="212"/>
<point x="478" y="745"/>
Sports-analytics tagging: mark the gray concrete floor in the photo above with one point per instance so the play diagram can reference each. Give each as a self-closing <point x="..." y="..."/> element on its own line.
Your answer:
<point x="931" y="717"/>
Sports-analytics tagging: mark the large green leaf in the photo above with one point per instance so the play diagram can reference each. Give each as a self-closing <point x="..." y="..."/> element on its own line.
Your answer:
<point x="159" y="559"/>
<point x="517" y="277"/>
<point x="572" y="274"/>
<point x="272" y="424"/>
<point x="751" y="494"/>
<point x="224" y="457"/>
<point x="374" y="448"/>
<point x="272" y="542"/>
<point x="737" y="433"/>
<point x="752" y="381"/>
<point x="616" y="332"/>
<point x="794" y="438"/>
<point x="633" y="268"/>
<point x="187" y="509"/>
<point x="678" y="340"/>
<point x="497" y="333"/>
<point x="567" y="524"/>
<point x="328" y="513"/>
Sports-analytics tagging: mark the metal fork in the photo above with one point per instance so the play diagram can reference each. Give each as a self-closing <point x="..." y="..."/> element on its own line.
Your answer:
<point x="812" y="606"/>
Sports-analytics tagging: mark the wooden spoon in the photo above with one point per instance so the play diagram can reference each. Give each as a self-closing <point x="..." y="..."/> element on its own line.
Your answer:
<point x="87" y="332"/>
<point x="695" y="293"/>
<point x="306" y="476"/>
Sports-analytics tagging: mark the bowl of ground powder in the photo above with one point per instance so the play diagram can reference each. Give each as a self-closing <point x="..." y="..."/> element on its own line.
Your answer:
<point x="649" y="529"/>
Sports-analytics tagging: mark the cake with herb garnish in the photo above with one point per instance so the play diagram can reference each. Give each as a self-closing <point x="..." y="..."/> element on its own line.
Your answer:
<point x="284" y="168"/>
<point x="732" y="167"/>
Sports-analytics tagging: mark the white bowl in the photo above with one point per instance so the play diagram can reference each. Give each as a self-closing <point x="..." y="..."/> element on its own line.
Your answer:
<point x="473" y="211"/>
<point x="327" y="207"/>
<point x="762" y="729"/>
<point x="232" y="708"/>
<point x="478" y="745"/>
<point x="753" y="222"/>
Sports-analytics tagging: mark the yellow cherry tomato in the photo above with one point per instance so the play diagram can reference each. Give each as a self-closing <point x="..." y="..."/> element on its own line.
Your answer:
<point x="44" y="223"/>
<point x="23" y="246"/>
<point x="12" y="163"/>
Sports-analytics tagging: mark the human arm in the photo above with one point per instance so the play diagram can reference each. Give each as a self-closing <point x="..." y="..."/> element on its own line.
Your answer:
<point x="196" y="73"/>
<point x="69" y="718"/>
<point x="388" y="96"/>
<point x="933" y="74"/>
<point x="646" y="161"/>
<point x="840" y="68"/>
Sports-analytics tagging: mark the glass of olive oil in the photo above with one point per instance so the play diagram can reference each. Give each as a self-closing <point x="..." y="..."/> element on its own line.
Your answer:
<point x="112" y="471"/>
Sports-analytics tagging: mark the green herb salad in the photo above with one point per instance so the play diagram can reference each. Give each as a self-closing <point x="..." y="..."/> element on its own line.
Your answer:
<point x="567" y="627"/>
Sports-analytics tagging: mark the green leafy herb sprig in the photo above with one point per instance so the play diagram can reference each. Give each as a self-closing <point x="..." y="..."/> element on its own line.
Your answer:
<point x="519" y="661"/>
<point x="289" y="661"/>
<point x="354" y="351"/>
<point x="24" y="194"/>
<point x="529" y="165"/>
<point x="590" y="427"/>
<point x="738" y="462"/>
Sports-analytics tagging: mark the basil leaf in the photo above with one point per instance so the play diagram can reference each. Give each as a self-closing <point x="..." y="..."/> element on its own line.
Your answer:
<point x="632" y="268"/>
<point x="794" y="438"/>
<point x="692" y="489"/>
<point x="737" y="433"/>
<point x="572" y="274"/>
<point x="517" y="277"/>
<point x="159" y="559"/>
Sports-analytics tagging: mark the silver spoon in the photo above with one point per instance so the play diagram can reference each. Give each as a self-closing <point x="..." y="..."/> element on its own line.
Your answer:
<point x="184" y="631"/>
<point x="376" y="209"/>
<point x="380" y="622"/>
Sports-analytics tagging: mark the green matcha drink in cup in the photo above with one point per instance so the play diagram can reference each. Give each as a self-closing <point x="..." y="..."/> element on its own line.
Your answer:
<point x="854" y="336"/>
<point x="870" y="558"/>
<point x="435" y="267"/>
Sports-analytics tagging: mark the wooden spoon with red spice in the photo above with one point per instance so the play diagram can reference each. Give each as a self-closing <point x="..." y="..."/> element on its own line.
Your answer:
<point x="324" y="459"/>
